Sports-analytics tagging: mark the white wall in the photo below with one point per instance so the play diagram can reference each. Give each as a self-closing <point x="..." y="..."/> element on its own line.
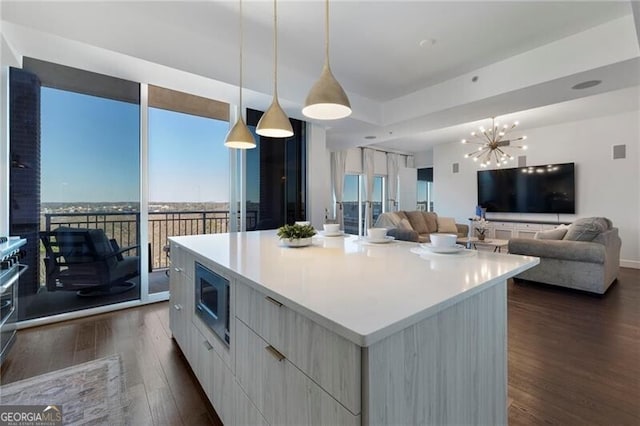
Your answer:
<point x="319" y="194"/>
<point x="423" y="159"/>
<point x="604" y="187"/>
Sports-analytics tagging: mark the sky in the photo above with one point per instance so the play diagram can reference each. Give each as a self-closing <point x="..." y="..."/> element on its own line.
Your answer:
<point x="90" y="152"/>
<point x="351" y="188"/>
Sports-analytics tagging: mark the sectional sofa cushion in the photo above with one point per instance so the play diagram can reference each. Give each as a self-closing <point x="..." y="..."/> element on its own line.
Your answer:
<point x="404" y="224"/>
<point x="551" y="234"/>
<point x="431" y="219"/>
<point x="587" y="229"/>
<point x="447" y="224"/>
<point x="402" y="215"/>
<point x="417" y="221"/>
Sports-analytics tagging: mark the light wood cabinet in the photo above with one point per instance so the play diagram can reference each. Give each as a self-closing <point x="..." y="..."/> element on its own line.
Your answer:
<point x="179" y="314"/>
<point x="215" y="377"/>
<point x="245" y="412"/>
<point x="280" y="391"/>
<point x="329" y="360"/>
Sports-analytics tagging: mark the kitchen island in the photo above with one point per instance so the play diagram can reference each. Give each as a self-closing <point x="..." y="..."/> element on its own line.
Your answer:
<point x="347" y="332"/>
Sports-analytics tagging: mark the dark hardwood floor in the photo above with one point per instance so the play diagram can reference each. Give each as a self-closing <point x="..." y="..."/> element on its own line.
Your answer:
<point x="162" y="388"/>
<point x="574" y="358"/>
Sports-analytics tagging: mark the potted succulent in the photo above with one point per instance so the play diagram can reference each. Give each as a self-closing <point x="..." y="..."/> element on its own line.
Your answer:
<point x="296" y="235"/>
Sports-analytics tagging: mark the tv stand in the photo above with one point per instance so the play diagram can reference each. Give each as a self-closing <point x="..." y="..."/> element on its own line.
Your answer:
<point x="505" y="229"/>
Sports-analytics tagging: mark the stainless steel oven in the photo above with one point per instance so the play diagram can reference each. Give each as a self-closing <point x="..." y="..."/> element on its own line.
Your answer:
<point x="212" y="301"/>
<point x="10" y="271"/>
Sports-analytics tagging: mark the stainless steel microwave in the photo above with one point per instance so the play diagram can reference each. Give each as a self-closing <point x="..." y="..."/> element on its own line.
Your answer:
<point x="212" y="301"/>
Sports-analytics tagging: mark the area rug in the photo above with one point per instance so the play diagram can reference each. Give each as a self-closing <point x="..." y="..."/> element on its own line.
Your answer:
<point x="93" y="393"/>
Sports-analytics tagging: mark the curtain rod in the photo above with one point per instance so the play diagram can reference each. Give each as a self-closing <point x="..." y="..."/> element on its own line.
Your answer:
<point x="387" y="152"/>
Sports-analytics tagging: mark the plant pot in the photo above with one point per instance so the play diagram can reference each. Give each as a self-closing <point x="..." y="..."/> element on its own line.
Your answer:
<point x="296" y="242"/>
<point x="481" y="237"/>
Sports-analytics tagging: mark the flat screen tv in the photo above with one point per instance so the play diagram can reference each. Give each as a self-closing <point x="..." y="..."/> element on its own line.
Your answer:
<point x="535" y="189"/>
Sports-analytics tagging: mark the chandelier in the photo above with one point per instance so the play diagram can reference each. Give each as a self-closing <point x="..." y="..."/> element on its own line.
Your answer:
<point x="493" y="142"/>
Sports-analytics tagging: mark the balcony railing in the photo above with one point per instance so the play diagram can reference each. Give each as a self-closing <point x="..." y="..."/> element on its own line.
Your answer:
<point x="123" y="227"/>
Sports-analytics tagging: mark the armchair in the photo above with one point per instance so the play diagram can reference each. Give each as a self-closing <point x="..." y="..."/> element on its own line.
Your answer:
<point x="86" y="261"/>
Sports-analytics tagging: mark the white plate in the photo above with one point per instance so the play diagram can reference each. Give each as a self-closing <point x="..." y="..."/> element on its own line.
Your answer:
<point x="455" y="249"/>
<point x="331" y="234"/>
<point x="384" y="240"/>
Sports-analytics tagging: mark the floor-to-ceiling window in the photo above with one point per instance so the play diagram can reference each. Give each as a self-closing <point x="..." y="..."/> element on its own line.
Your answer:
<point x="276" y="177"/>
<point x="86" y="151"/>
<point x="188" y="173"/>
<point x="354" y="202"/>
<point x="425" y="189"/>
<point x="351" y="205"/>
<point x="377" y="198"/>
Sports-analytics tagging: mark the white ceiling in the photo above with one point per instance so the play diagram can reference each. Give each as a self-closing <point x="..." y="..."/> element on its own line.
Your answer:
<point x="375" y="51"/>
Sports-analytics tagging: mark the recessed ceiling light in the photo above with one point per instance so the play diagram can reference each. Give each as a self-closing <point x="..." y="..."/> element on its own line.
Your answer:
<point x="370" y="137"/>
<point x="427" y="42"/>
<point x="586" y="84"/>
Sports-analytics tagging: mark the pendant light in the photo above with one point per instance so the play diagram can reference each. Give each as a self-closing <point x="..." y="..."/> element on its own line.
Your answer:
<point x="239" y="136"/>
<point x="274" y="123"/>
<point x="326" y="99"/>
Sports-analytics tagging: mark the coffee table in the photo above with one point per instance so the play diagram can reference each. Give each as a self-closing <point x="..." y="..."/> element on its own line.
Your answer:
<point x="497" y="245"/>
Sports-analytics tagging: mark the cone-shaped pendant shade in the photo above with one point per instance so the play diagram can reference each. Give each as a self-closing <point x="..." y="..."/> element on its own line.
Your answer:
<point x="274" y="122"/>
<point x="239" y="136"/>
<point x="327" y="100"/>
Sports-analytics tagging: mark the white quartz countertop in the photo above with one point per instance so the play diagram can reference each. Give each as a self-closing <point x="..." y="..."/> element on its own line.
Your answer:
<point x="363" y="292"/>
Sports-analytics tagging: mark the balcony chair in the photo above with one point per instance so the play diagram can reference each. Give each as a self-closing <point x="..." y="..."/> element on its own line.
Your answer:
<point x="86" y="261"/>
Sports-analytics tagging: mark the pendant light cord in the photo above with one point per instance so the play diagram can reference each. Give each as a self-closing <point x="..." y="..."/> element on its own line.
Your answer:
<point x="326" y="29"/>
<point x="241" y="40"/>
<point x="275" y="49"/>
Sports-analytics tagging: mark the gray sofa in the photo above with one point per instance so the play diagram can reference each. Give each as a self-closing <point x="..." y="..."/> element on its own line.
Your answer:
<point x="586" y="257"/>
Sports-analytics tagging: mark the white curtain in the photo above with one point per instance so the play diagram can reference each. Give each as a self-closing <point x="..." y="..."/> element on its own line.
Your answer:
<point x="392" y="181"/>
<point x="338" y="167"/>
<point x="369" y="174"/>
<point x="410" y="162"/>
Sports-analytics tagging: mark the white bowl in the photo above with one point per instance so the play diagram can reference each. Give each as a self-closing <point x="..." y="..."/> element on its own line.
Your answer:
<point x="302" y="223"/>
<point x="331" y="228"/>
<point x="377" y="233"/>
<point x="443" y="240"/>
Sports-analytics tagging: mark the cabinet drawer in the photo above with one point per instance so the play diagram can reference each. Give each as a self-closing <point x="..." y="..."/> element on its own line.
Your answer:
<point x="281" y="392"/>
<point x="501" y="225"/>
<point x="245" y="412"/>
<point x="330" y="360"/>
<point x="530" y="226"/>
<point x="215" y="378"/>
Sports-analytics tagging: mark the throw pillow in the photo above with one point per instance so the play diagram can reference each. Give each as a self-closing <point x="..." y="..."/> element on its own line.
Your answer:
<point x="417" y="222"/>
<point x="394" y="219"/>
<point x="587" y="229"/>
<point x="404" y="224"/>
<point x="447" y="224"/>
<point x="431" y="219"/>
<point x="551" y="234"/>
<point x="401" y="214"/>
